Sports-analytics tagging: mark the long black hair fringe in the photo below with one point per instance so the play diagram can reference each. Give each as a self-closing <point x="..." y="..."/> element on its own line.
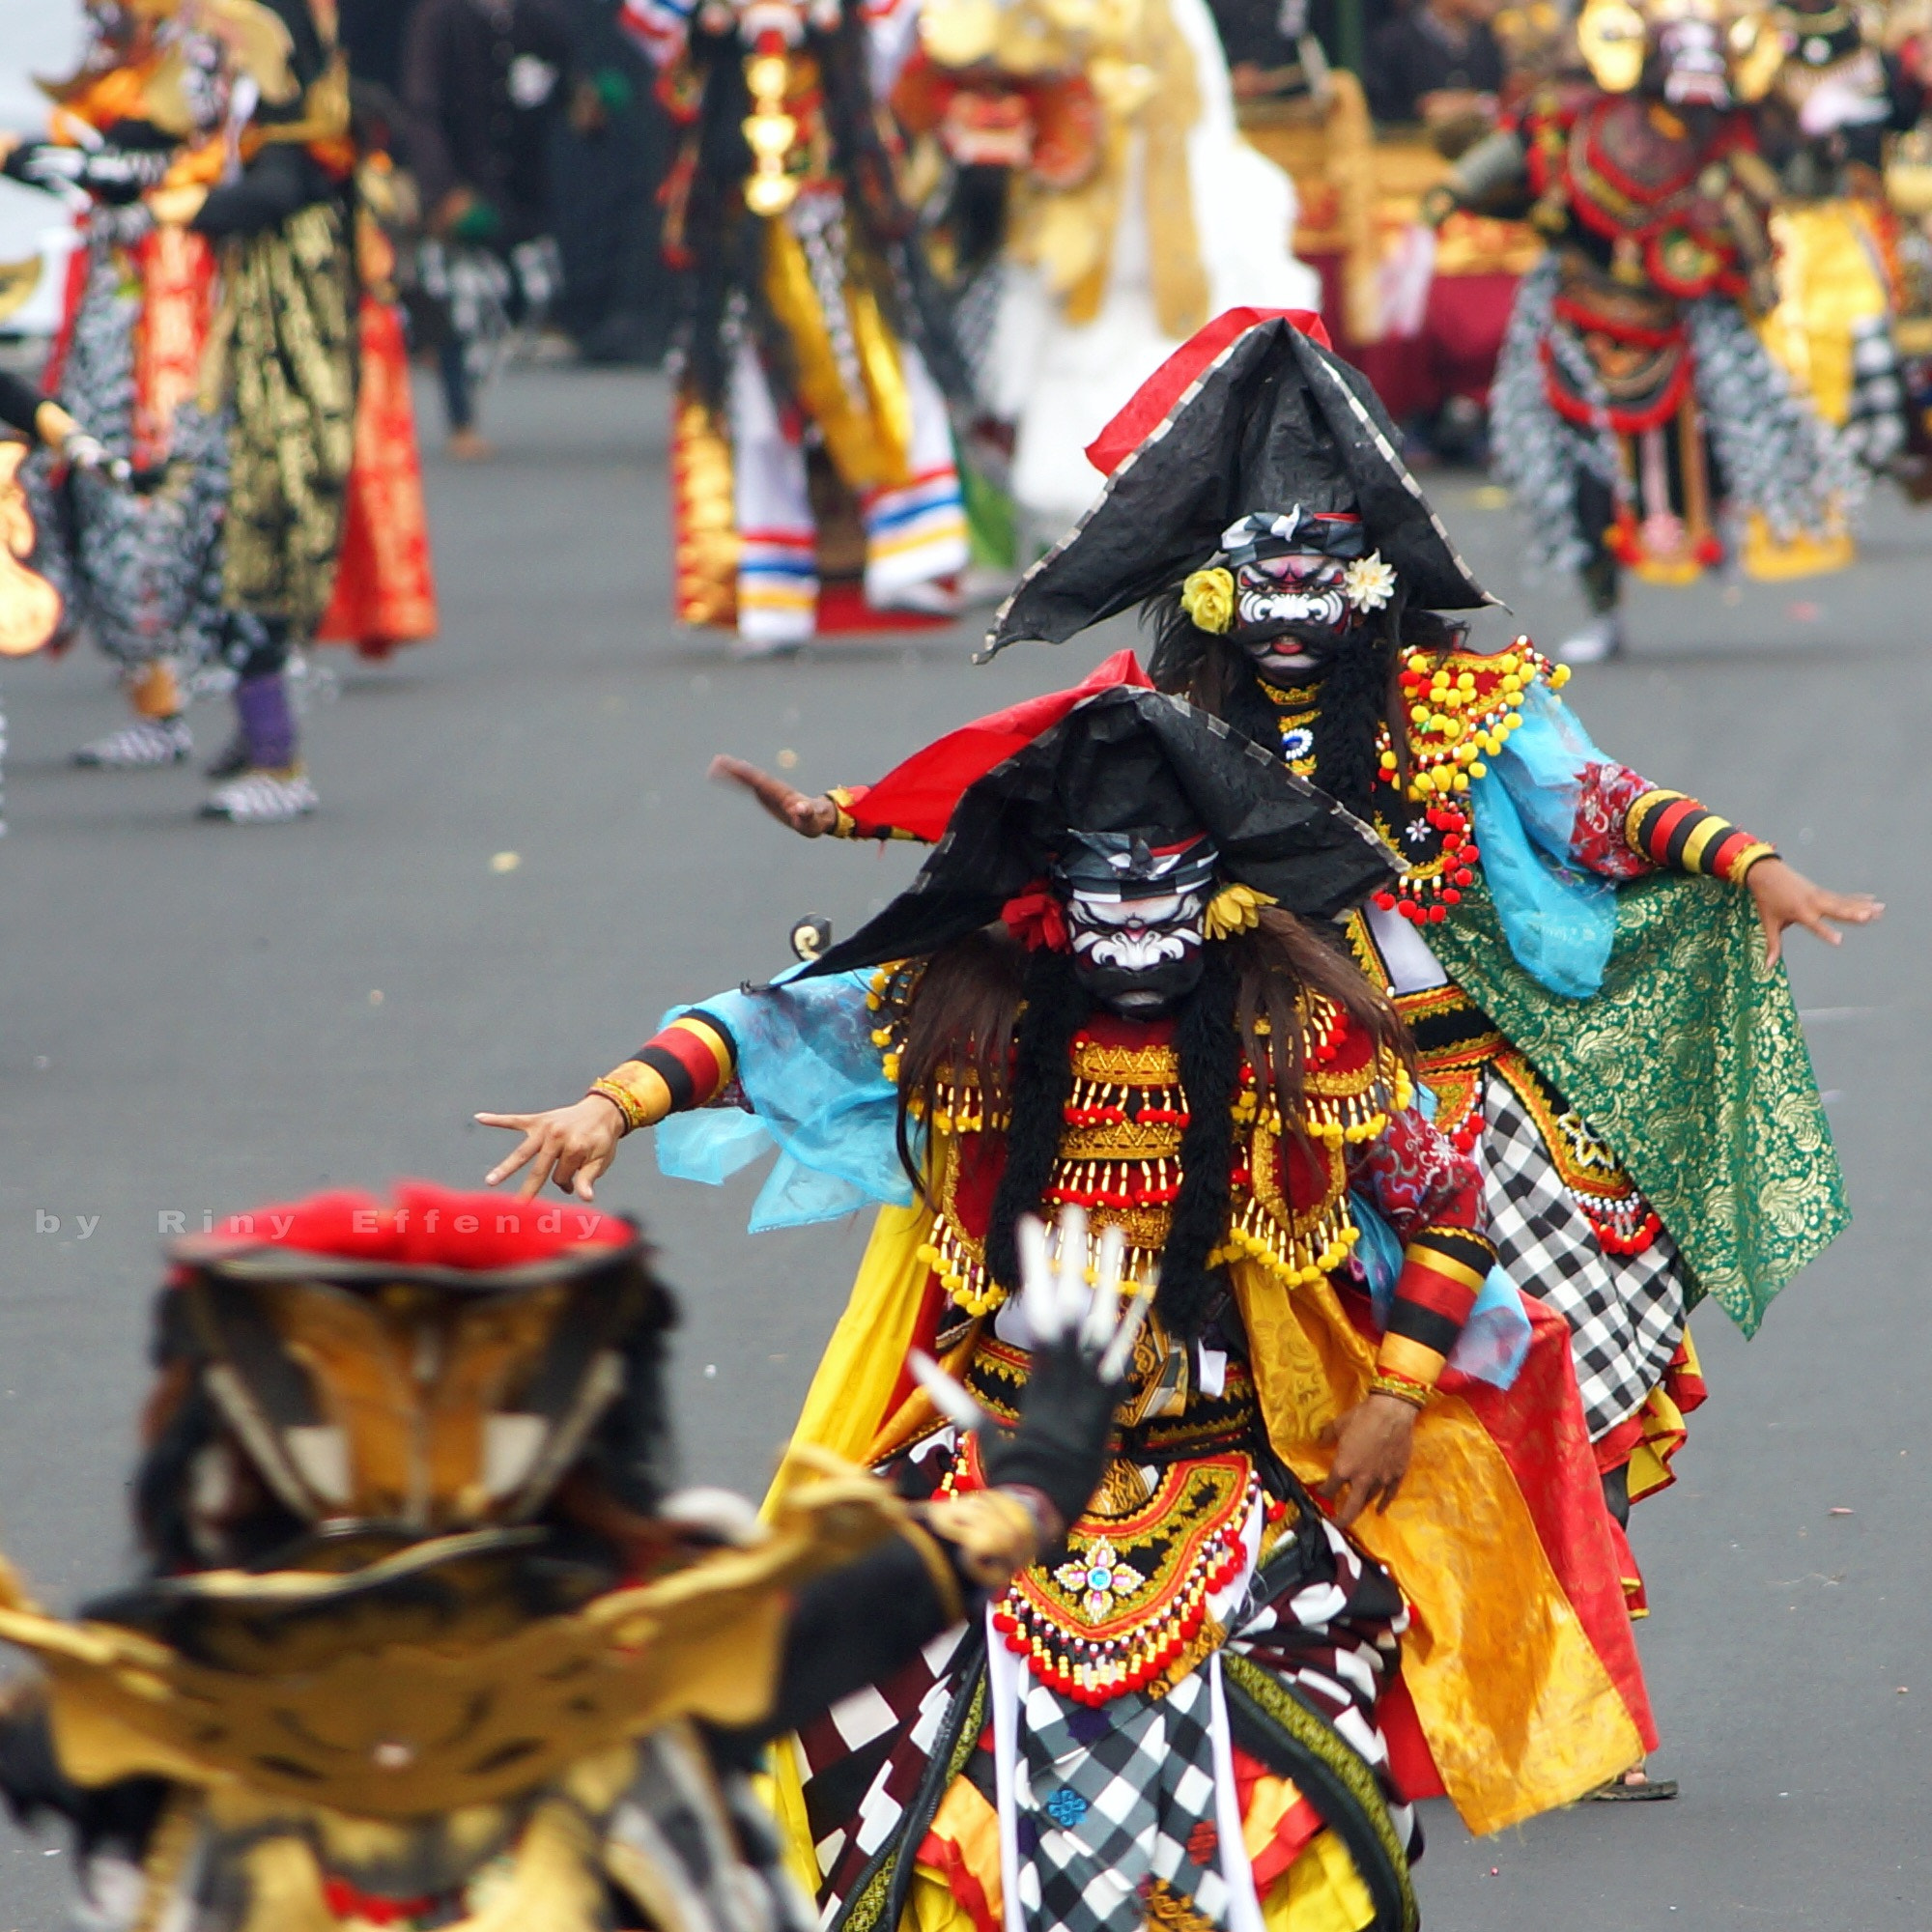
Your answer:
<point x="1056" y="1009"/>
<point x="1208" y="1048"/>
<point x="1354" y="705"/>
<point x="1358" y="687"/>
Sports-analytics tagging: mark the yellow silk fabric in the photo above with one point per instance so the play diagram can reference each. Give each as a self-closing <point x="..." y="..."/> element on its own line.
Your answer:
<point x="1663" y="1432"/>
<point x="846" y="1403"/>
<point x="1519" y="1709"/>
<point x="868" y="437"/>
<point x="1828" y="279"/>
<point x="1320" y="1891"/>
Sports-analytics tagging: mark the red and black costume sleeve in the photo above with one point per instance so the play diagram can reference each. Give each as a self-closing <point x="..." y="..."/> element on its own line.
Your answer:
<point x="1676" y="834"/>
<point x="855" y="821"/>
<point x="694" y="1057"/>
<point x="1431" y="1194"/>
<point x="1625" y="827"/>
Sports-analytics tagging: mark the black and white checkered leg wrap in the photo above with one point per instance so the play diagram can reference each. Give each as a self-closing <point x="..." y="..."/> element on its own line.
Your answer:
<point x="1626" y="1311"/>
<point x="1113" y="1802"/>
<point x="1875" y="428"/>
<point x="864" y="1757"/>
<point x="1334" y="1641"/>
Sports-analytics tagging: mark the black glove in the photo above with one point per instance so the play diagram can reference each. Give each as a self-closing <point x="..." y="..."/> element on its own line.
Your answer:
<point x="1066" y="1416"/>
<point x="1081" y="1348"/>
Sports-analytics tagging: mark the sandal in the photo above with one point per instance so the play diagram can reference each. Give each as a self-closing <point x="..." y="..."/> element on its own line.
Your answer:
<point x="1633" y="1787"/>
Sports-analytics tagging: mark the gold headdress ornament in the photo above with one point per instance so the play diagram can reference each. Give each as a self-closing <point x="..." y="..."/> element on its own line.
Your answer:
<point x="1615" y="39"/>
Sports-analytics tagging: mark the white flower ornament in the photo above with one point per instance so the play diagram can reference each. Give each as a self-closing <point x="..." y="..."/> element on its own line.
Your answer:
<point x="1368" y="583"/>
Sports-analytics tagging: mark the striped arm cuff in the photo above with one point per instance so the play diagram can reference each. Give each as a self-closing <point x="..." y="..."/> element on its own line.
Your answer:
<point x="1674" y="831"/>
<point x="694" y="1057"/>
<point x="1443" y="1271"/>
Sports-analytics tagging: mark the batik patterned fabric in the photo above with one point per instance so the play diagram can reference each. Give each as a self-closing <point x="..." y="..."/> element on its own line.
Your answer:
<point x="293" y="379"/>
<point x="139" y="567"/>
<point x="1626" y="1311"/>
<point x="1691" y="1063"/>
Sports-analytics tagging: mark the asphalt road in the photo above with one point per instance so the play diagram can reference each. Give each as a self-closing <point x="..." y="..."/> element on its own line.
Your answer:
<point x="196" y="1017"/>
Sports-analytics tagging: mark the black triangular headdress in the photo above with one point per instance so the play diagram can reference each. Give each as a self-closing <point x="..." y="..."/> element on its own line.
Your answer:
<point x="1249" y="416"/>
<point x="1125" y="759"/>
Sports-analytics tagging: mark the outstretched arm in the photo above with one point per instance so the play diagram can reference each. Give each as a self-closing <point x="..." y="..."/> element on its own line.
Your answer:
<point x="1667" y="829"/>
<point x="22" y="406"/>
<point x="1592" y="812"/>
<point x="840" y="812"/>
<point x="689" y="1063"/>
<point x="861" y="1622"/>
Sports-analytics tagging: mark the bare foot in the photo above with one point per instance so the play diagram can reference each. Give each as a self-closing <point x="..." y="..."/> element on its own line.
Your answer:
<point x="467" y="446"/>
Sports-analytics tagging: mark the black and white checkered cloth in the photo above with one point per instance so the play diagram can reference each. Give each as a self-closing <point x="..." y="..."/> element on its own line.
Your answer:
<point x="1626" y="1311"/>
<point x="1334" y="1641"/>
<point x="1114" y="1800"/>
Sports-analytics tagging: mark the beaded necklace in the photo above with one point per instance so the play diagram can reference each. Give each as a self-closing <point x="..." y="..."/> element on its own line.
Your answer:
<point x="1462" y="711"/>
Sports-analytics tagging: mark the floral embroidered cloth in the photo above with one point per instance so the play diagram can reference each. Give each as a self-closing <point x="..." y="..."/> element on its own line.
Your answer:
<point x="1690" y="1063"/>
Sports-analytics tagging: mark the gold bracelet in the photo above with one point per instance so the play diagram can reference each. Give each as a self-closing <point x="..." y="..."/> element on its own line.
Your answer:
<point x="1416" y="1394"/>
<point x="621" y="1088"/>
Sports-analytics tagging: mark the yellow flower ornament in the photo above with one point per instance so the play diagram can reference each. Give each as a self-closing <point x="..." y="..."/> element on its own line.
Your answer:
<point x="1208" y="597"/>
<point x="1233" y="909"/>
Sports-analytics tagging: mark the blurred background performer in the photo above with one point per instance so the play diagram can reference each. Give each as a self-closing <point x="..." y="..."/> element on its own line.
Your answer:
<point x="152" y="101"/>
<point x="485" y="83"/>
<point x="384" y="592"/>
<point x="813" y="479"/>
<point x="283" y="383"/>
<point x="1825" y="126"/>
<point x="1636" y="416"/>
<point x="1132" y="211"/>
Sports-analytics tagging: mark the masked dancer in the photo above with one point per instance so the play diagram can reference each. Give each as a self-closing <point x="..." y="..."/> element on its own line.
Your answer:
<point x="1095" y="204"/>
<point x="814" y="480"/>
<point x="1578" y="951"/>
<point x="138" y="568"/>
<point x="1636" y="412"/>
<point x="1103" y="990"/>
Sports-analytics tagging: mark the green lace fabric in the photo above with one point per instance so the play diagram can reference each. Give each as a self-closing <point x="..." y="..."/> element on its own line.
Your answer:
<point x="1690" y="1063"/>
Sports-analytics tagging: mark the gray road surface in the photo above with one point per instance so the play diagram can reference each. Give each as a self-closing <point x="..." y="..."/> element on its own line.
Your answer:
<point x="195" y="1018"/>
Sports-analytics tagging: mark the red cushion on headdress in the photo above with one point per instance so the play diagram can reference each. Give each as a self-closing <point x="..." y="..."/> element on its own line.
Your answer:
<point x="917" y="797"/>
<point x="1150" y="405"/>
<point x="425" y="1226"/>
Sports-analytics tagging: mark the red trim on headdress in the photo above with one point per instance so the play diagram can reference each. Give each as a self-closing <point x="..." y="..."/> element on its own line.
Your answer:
<point x="1153" y="402"/>
<point x="917" y="797"/>
<point x="422" y="1226"/>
